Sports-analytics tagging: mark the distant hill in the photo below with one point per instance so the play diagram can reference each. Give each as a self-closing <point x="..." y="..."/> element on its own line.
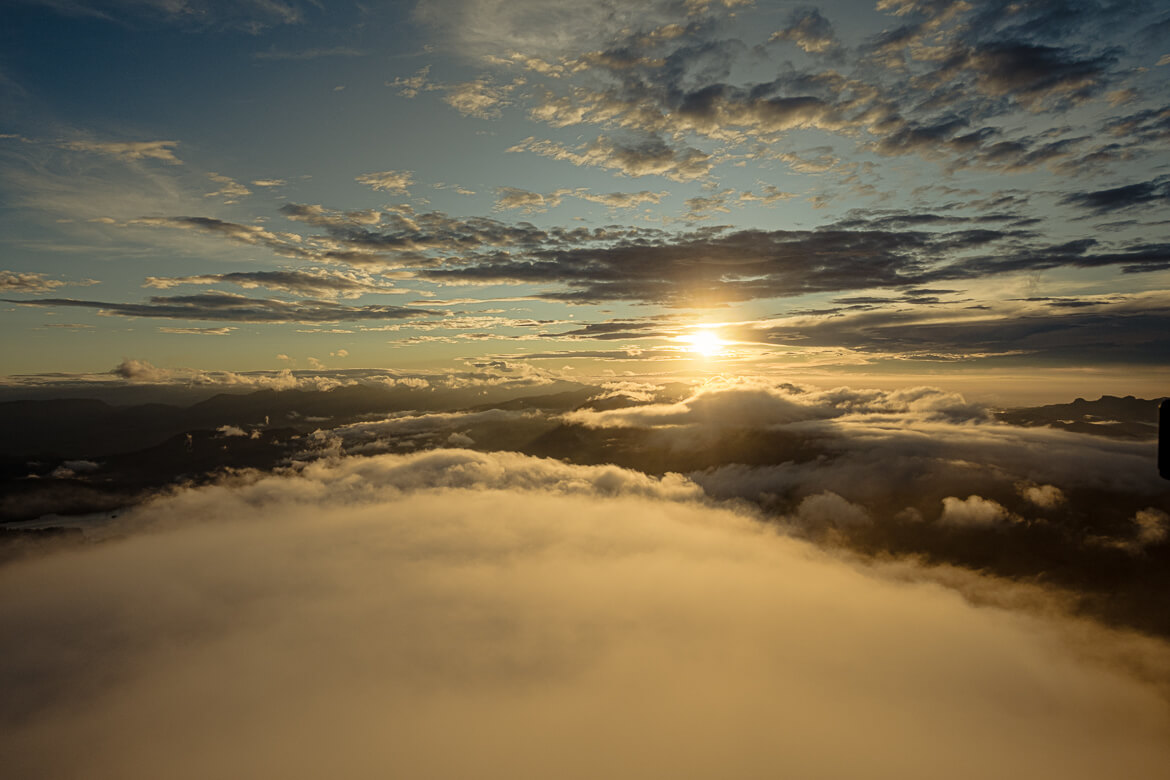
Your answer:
<point x="1128" y="417"/>
<point x="88" y="428"/>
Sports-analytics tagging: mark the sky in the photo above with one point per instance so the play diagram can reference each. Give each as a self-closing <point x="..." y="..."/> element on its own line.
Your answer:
<point x="970" y="194"/>
<point x="650" y="367"/>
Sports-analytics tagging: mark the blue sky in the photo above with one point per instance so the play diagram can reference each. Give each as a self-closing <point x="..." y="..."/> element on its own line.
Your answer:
<point x="897" y="189"/>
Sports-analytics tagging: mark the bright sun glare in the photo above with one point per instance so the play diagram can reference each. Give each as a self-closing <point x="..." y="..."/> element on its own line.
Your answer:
<point x="704" y="342"/>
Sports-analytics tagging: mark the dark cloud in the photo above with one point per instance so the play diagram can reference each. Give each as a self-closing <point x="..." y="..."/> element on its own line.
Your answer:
<point x="1154" y="191"/>
<point x="1032" y="74"/>
<point x="227" y="307"/>
<point x="1065" y="330"/>
<point x="710" y="267"/>
<point x="1147" y="126"/>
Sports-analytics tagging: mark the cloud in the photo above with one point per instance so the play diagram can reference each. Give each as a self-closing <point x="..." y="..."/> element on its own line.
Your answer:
<point x="28" y="282"/>
<point x="535" y="202"/>
<point x="703" y="267"/>
<point x="128" y="151"/>
<point x="529" y="202"/>
<point x="410" y="86"/>
<point x="1045" y="496"/>
<point x="808" y="30"/>
<point x="1062" y="329"/>
<point x="622" y="200"/>
<point x="480" y="98"/>
<point x="235" y="308"/>
<point x="710" y="268"/>
<point x="551" y="31"/>
<point x="199" y="331"/>
<point x="388" y="181"/>
<point x="769" y="194"/>
<point x="1155" y="191"/>
<point x="757" y="403"/>
<point x="143" y="372"/>
<point x="829" y="510"/>
<point x="229" y="188"/>
<point x="648" y="156"/>
<point x="313" y="281"/>
<point x="1033" y="74"/>
<point x="1153" y="526"/>
<point x="284" y="244"/>
<point x="972" y="511"/>
<point x="547" y="619"/>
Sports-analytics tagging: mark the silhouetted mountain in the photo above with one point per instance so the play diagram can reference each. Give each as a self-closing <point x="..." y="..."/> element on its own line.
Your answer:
<point x="88" y="428"/>
<point x="1128" y="417"/>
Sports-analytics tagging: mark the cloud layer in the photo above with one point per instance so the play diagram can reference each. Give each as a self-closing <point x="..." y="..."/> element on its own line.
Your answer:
<point x="454" y="613"/>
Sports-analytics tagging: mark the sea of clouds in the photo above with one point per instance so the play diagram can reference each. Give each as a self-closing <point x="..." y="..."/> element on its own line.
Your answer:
<point x="451" y="613"/>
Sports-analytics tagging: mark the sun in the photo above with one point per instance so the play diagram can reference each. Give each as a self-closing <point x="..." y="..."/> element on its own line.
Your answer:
<point x="704" y="342"/>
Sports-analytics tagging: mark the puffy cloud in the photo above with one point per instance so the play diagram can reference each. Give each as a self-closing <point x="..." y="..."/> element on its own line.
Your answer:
<point x="829" y="510"/>
<point x="719" y="405"/>
<point x="480" y="98"/>
<point x="756" y="403"/>
<point x="1043" y="496"/>
<point x="28" y="281"/>
<point x="388" y="181"/>
<point x="972" y="511"/>
<point x="1153" y="526"/>
<point x="365" y="615"/>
